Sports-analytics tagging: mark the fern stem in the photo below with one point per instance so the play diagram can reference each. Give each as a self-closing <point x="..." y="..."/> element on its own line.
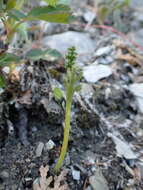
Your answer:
<point x="67" y="127"/>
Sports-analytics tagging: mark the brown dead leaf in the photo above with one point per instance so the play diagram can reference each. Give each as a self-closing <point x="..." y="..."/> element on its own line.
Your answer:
<point x="44" y="182"/>
<point x="129" y="58"/>
<point x="15" y="75"/>
<point x="133" y="57"/>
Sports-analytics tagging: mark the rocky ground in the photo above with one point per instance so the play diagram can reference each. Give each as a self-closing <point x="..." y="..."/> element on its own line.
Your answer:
<point x="106" y="143"/>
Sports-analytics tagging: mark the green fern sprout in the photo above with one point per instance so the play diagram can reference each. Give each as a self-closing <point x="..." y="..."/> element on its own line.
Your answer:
<point x="73" y="76"/>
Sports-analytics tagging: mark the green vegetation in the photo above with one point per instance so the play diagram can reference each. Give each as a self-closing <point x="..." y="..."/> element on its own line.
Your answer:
<point x="72" y="85"/>
<point x="13" y="16"/>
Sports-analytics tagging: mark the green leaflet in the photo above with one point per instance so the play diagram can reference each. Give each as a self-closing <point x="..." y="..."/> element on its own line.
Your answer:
<point x="2" y="81"/>
<point x="8" y="58"/>
<point x="10" y="4"/>
<point x="59" y="14"/>
<point x="36" y="54"/>
<point x="16" y="14"/>
<point x="58" y="93"/>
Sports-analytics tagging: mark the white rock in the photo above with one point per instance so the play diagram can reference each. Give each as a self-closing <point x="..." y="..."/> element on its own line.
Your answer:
<point x="88" y="188"/>
<point x="98" y="181"/>
<point x="4" y="174"/>
<point x="123" y="148"/>
<point x="76" y="174"/>
<point x="39" y="149"/>
<point x="61" y="42"/>
<point x="86" y="90"/>
<point x="137" y="90"/>
<point x="1" y="90"/>
<point x="89" y="16"/>
<point x="93" y="73"/>
<point x="49" y="145"/>
<point x="103" y="51"/>
<point x="6" y="70"/>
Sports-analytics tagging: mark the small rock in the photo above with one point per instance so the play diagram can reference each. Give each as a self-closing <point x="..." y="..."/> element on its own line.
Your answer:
<point x="28" y="160"/>
<point x="105" y="61"/>
<point x="34" y="129"/>
<point x="1" y="90"/>
<point x="98" y="181"/>
<point x="103" y="51"/>
<point x="67" y="160"/>
<point x="94" y="73"/>
<point x="76" y="174"/>
<point x="139" y="132"/>
<point x="137" y="90"/>
<point x="89" y="16"/>
<point x="131" y="182"/>
<point x="90" y="157"/>
<point x="49" y="145"/>
<point x="138" y="16"/>
<point x="4" y="174"/>
<point x="28" y="181"/>
<point x="6" y="70"/>
<point x="82" y="169"/>
<point x="89" y="188"/>
<point x="39" y="149"/>
<point x="109" y="60"/>
<point x="123" y="148"/>
<point x="86" y="90"/>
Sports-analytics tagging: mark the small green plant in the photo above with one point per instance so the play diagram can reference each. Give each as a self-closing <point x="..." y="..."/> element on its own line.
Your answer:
<point x="72" y="78"/>
<point x="13" y="16"/>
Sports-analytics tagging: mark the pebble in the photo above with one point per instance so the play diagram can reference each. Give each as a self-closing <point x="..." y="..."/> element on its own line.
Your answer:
<point x="49" y="145"/>
<point x="89" y="16"/>
<point x="103" y="51"/>
<point x="105" y="61"/>
<point x="94" y="73"/>
<point x="6" y="70"/>
<point x="137" y="90"/>
<point x="39" y="149"/>
<point x="1" y="90"/>
<point x="76" y="174"/>
<point x="90" y="157"/>
<point x="122" y="147"/>
<point x="4" y="174"/>
<point x="89" y="188"/>
<point x="86" y="90"/>
<point x="98" y="181"/>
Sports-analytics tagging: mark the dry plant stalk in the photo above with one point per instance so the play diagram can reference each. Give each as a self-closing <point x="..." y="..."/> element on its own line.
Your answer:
<point x="43" y="183"/>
